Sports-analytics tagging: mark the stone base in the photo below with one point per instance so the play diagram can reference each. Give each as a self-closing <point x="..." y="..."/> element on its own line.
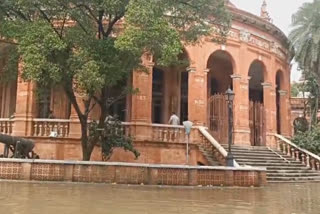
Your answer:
<point x="241" y="137"/>
<point x="129" y="173"/>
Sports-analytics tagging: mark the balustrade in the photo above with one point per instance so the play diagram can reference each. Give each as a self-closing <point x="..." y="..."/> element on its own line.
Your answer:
<point x="6" y="125"/>
<point x="45" y="127"/>
<point x="307" y="158"/>
<point x="211" y="145"/>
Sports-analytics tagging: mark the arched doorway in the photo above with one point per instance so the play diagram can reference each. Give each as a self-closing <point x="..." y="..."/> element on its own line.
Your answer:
<point x="256" y="108"/>
<point x="170" y="91"/>
<point x="220" y="66"/>
<point x="279" y="87"/>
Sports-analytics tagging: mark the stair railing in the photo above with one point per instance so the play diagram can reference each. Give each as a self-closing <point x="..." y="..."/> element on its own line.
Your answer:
<point x="309" y="159"/>
<point x="210" y="144"/>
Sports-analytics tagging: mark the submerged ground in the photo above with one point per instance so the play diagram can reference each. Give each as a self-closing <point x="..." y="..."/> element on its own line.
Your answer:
<point x="53" y="198"/>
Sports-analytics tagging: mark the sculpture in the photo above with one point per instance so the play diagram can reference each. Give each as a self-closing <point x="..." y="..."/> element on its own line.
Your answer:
<point x="20" y="147"/>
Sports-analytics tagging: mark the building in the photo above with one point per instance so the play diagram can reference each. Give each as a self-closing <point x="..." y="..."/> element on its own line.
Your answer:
<point x="254" y="63"/>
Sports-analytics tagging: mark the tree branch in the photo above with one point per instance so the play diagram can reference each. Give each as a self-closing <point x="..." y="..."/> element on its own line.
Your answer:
<point x="45" y="16"/>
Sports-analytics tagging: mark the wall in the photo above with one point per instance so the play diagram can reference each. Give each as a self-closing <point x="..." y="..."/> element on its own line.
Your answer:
<point x="150" y="152"/>
<point x="128" y="173"/>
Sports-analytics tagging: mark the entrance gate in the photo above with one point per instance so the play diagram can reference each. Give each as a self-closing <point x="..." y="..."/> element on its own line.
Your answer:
<point x="218" y="118"/>
<point x="256" y="123"/>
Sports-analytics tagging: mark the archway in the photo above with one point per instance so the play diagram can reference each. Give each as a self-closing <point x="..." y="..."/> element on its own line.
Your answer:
<point x="256" y="108"/>
<point x="220" y="66"/>
<point x="279" y="87"/>
<point x="170" y="91"/>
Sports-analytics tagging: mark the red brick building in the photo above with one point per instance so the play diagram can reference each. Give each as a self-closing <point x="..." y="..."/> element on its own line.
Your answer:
<point x="254" y="62"/>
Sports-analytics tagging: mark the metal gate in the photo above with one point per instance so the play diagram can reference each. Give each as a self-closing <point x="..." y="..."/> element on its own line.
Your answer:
<point x="218" y="118"/>
<point x="256" y="123"/>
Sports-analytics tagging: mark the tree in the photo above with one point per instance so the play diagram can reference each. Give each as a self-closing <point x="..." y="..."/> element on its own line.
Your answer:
<point x="295" y="89"/>
<point x="305" y="38"/>
<point x="88" y="47"/>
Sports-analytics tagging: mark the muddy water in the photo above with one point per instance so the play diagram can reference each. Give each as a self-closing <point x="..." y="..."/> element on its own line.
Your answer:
<point x="35" y="198"/>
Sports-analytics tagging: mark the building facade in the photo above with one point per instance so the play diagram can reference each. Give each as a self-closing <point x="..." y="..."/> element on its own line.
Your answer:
<point x="254" y="63"/>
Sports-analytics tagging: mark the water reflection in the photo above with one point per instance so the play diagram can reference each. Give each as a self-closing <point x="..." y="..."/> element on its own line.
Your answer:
<point x="28" y="198"/>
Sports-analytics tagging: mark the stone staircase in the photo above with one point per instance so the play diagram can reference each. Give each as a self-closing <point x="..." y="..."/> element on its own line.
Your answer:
<point x="280" y="168"/>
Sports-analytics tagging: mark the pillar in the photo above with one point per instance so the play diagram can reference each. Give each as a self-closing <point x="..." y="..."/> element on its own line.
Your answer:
<point x="142" y="101"/>
<point x="25" y="106"/>
<point x="241" y="110"/>
<point x="197" y="102"/>
<point x="141" y="105"/>
<point x="284" y="113"/>
<point x="270" y="114"/>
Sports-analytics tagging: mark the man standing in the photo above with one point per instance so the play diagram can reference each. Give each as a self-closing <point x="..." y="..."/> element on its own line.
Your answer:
<point x="174" y="119"/>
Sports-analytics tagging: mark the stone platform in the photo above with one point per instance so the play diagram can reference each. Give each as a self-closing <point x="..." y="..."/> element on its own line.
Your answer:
<point x="130" y="173"/>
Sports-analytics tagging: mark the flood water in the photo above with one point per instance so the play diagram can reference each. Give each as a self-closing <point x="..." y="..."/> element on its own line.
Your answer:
<point x="53" y="198"/>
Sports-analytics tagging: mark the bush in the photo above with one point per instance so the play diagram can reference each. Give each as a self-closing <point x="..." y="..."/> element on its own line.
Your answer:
<point x="309" y="140"/>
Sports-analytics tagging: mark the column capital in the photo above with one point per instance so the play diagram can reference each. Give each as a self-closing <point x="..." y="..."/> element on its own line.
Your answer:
<point x="235" y="76"/>
<point x="191" y="69"/>
<point x="283" y="92"/>
<point x="266" y="85"/>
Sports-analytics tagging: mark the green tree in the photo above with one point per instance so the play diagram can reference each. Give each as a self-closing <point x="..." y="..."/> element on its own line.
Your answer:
<point x="305" y="38"/>
<point x="88" y="47"/>
<point x="295" y="89"/>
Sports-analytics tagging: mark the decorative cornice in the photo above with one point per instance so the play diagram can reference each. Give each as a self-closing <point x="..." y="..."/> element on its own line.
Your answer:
<point x="260" y="23"/>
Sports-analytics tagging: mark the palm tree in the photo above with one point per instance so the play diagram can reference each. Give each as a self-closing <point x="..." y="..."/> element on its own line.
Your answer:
<point x="305" y="38"/>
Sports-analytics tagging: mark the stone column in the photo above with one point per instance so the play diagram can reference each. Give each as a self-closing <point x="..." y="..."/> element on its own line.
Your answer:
<point x="197" y="102"/>
<point x="284" y="113"/>
<point x="142" y="102"/>
<point x="270" y="114"/>
<point x="141" y="106"/>
<point x="25" y="106"/>
<point x="241" y="110"/>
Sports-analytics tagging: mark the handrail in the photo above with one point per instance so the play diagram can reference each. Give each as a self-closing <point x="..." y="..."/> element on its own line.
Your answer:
<point x="50" y="120"/>
<point x="6" y="119"/>
<point x="297" y="147"/>
<point x="309" y="159"/>
<point x="215" y="144"/>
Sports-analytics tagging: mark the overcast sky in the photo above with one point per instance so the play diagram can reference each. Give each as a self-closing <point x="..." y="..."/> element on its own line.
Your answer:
<point x="280" y="12"/>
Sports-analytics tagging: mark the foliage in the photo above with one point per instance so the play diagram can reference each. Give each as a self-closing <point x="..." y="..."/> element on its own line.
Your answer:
<point x="10" y="56"/>
<point x="112" y="136"/>
<point x="295" y="89"/>
<point x="301" y="125"/>
<point x="89" y="47"/>
<point x="309" y="140"/>
<point x="305" y="37"/>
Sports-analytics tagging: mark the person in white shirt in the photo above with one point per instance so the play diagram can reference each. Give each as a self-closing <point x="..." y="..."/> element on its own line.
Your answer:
<point x="174" y="119"/>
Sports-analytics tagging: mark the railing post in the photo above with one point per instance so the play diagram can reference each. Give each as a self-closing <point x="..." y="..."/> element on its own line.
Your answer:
<point x="303" y="159"/>
<point x="308" y="161"/>
<point x="297" y="155"/>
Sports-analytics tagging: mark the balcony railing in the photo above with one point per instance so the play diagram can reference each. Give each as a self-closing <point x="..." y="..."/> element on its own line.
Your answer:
<point x="50" y="127"/>
<point x="157" y="132"/>
<point x="6" y="125"/>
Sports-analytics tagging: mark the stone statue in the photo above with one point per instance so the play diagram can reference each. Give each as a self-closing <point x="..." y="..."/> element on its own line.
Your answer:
<point x="20" y="147"/>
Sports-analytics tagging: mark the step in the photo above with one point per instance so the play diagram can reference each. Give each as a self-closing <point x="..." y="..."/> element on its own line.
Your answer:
<point x="271" y="164"/>
<point x="317" y="178"/>
<point x="270" y="168"/>
<point x="306" y="171"/>
<point x="269" y="175"/>
<point x="266" y="161"/>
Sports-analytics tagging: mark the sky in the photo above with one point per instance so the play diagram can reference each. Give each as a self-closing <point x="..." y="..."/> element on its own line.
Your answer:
<point x="280" y="11"/>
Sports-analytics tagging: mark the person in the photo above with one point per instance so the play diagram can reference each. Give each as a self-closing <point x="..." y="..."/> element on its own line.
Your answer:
<point x="174" y="119"/>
